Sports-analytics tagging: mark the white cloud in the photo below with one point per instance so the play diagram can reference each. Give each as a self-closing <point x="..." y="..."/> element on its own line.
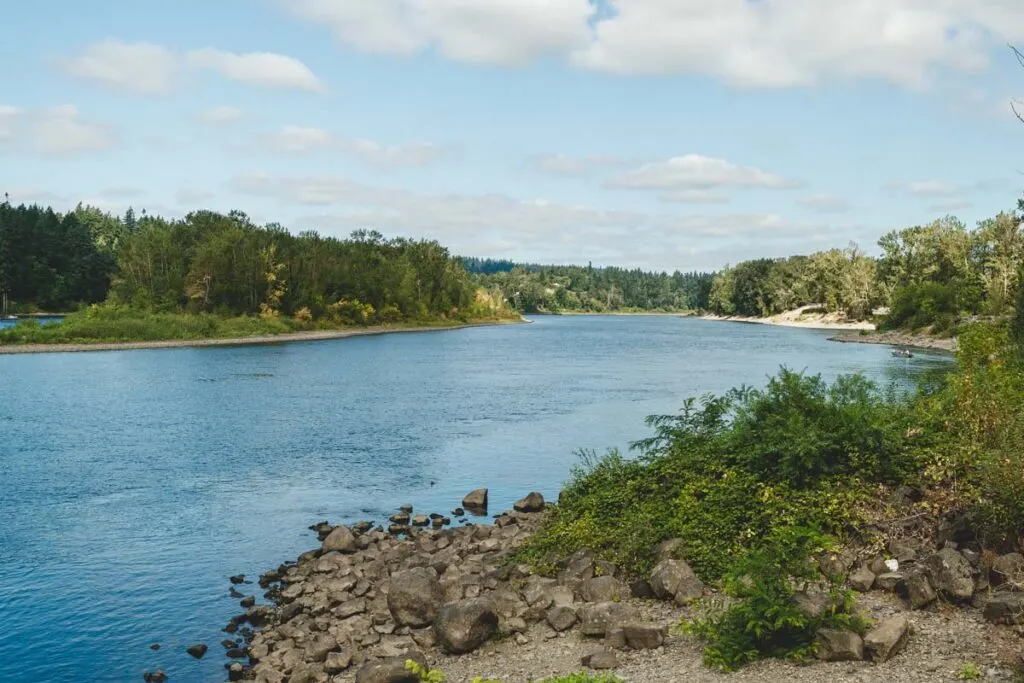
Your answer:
<point x="155" y="69"/>
<point x="221" y="114"/>
<point x="505" y="32"/>
<point x="530" y="229"/>
<point x="137" y="67"/>
<point x="266" y="69"/>
<point x="192" y="197"/>
<point x="824" y="203"/>
<point x="780" y="43"/>
<point x="55" y="131"/>
<point x="932" y="188"/>
<point x="949" y="206"/>
<point x="307" y="139"/>
<point x="697" y="179"/>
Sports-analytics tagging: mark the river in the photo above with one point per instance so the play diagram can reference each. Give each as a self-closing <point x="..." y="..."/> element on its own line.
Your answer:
<point x="133" y="483"/>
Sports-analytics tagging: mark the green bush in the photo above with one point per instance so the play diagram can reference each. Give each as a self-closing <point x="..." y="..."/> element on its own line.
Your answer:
<point x="763" y="618"/>
<point x="921" y="305"/>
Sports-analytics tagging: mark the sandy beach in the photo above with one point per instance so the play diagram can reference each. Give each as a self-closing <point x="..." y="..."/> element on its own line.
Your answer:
<point x="799" y="318"/>
<point x="292" y="337"/>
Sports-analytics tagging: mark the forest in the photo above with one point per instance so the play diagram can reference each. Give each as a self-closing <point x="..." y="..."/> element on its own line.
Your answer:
<point x="225" y="265"/>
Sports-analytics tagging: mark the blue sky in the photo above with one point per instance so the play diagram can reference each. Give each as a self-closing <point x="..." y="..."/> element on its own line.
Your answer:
<point x="659" y="133"/>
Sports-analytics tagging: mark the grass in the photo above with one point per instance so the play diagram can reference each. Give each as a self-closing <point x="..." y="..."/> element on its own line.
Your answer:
<point x="115" y="324"/>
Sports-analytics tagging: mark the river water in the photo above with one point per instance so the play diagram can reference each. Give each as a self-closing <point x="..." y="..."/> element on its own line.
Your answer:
<point x="133" y="483"/>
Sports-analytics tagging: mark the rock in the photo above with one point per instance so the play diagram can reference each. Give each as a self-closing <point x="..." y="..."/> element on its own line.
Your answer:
<point x="420" y="520"/>
<point x="902" y="551"/>
<point x="641" y="589"/>
<point x="1005" y="608"/>
<point x="812" y="603"/>
<point x="534" y="502"/>
<point x="877" y="565"/>
<point x="887" y="638"/>
<point x="950" y="574"/>
<point x="561" y="618"/>
<point x="415" y="596"/>
<point x="337" y="662"/>
<point x="247" y="602"/>
<point x="401" y="518"/>
<point x="341" y="540"/>
<point x="598" y="619"/>
<point x="407" y="508"/>
<point x="861" y="580"/>
<point x="888" y="581"/>
<point x="236" y="653"/>
<point x="839" y="646"/>
<point x="604" y="589"/>
<point x="321" y="646"/>
<point x="197" y="650"/>
<point x="475" y="501"/>
<point x="464" y="626"/>
<point x="458" y="512"/>
<point x="615" y="638"/>
<point x="391" y="670"/>
<point x="398" y="529"/>
<point x="917" y="589"/>
<point x="157" y="676"/>
<point x="600" y="660"/>
<point x="240" y="578"/>
<point x="1008" y="568"/>
<point x="154" y="646"/>
<point x="671" y="549"/>
<point x="673" y="579"/>
<point x="236" y="672"/>
<point x="228" y="644"/>
<point x="640" y="637"/>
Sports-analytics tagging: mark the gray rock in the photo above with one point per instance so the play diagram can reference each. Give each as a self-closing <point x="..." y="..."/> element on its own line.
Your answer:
<point x="475" y="500"/>
<point x="916" y="587"/>
<point x="675" y="580"/>
<point x="671" y="549"/>
<point x="600" y="660"/>
<point x="420" y="520"/>
<point x="236" y="671"/>
<point x="950" y="574"/>
<point x="615" y="638"/>
<point x="337" y="662"/>
<point x="887" y="638"/>
<point x="321" y="646"/>
<point x="839" y="646"/>
<point x="464" y="626"/>
<point x="1005" y="608"/>
<point x="341" y="540"/>
<point x="812" y="603"/>
<point x="391" y="670"/>
<point x="561" y="618"/>
<point x="861" y="580"/>
<point x="604" y="589"/>
<point x="888" y="581"/>
<point x="1008" y="568"/>
<point x="534" y="502"/>
<point x="643" y="637"/>
<point x="414" y="596"/>
<point x="641" y="589"/>
<point x="197" y="650"/>
<point x="400" y="518"/>
<point x="597" y="619"/>
<point x="247" y="602"/>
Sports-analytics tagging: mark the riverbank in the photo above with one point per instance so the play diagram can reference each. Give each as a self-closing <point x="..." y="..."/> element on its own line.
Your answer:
<point x="897" y="338"/>
<point x="799" y="317"/>
<point x="368" y="599"/>
<point x="283" y="338"/>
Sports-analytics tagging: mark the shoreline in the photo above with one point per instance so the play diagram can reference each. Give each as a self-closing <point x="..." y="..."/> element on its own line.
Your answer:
<point x="781" y="321"/>
<point x="916" y="341"/>
<point x="286" y="338"/>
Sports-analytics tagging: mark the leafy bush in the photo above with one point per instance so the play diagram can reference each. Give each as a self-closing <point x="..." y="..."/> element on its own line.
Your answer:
<point x="763" y="618"/>
<point x="922" y="305"/>
<point x="729" y="470"/>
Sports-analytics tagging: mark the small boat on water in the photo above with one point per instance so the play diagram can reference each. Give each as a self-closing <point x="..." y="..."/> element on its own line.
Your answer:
<point x="9" y="317"/>
<point x="902" y="353"/>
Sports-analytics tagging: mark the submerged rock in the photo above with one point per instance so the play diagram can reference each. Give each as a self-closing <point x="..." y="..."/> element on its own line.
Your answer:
<point x="197" y="650"/>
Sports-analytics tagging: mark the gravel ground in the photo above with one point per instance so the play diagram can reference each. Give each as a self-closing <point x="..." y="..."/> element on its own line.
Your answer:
<point x="942" y="642"/>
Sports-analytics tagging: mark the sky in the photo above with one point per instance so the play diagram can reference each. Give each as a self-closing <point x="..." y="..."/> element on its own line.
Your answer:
<point x="661" y="134"/>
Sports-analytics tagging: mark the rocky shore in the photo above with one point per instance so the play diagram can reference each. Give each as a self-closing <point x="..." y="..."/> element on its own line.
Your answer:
<point x="369" y="599"/>
<point x="917" y="341"/>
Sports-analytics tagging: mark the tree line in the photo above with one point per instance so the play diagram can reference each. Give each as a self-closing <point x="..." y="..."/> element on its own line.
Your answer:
<point x="225" y="264"/>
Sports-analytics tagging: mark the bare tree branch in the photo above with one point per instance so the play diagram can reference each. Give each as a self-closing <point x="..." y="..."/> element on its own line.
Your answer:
<point x="1018" y="54"/>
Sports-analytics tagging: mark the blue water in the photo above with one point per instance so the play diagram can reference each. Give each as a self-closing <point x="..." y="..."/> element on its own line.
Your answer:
<point x="133" y="483"/>
<point x="4" y="324"/>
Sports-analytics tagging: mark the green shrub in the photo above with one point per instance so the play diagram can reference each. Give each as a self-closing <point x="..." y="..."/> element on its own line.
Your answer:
<point x="763" y="619"/>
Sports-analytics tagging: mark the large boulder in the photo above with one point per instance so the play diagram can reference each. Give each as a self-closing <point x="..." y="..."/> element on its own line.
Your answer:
<point x="598" y="619"/>
<point x="1008" y="568"/>
<point x="391" y="670"/>
<point x="534" y="502"/>
<point x="341" y="539"/>
<point x="475" y="501"/>
<point x="887" y="638"/>
<point x="1005" y="608"/>
<point x="950" y="574"/>
<point x="839" y="646"/>
<point x="675" y="580"/>
<point x="916" y="587"/>
<point x="561" y="618"/>
<point x="414" y="596"/>
<point x="861" y="580"/>
<point x="464" y="626"/>
<point x="604" y="589"/>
